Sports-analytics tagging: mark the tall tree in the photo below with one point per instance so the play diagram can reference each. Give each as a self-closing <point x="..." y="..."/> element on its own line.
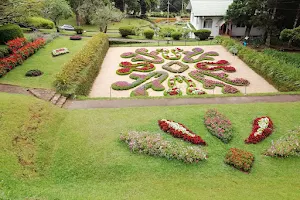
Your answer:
<point x="57" y="10"/>
<point x="75" y="4"/>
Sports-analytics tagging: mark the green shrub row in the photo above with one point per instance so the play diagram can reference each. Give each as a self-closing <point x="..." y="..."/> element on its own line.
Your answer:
<point x="79" y="73"/>
<point x="10" y="32"/>
<point x="40" y="22"/>
<point x="290" y="58"/>
<point x="127" y="30"/>
<point x="284" y="76"/>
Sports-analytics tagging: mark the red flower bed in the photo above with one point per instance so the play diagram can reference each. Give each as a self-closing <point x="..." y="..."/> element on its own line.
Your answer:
<point x="262" y="128"/>
<point x="19" y="55"/>
<point x="239" y="159"/>
<point x="221" y="66"/>
<point x="16" y="44"/>
<point x="178" y="130"/>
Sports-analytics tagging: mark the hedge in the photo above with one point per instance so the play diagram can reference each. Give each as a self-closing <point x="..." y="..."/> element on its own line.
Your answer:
<point x="149" y="33"/>
<point x="79" y="73"/>
<point x="10" y="32"/>
<point x="176" y="35"/>
<point x="127" y="30"/>
<point x="284" y="76"/>
<point x="202" y="34"/>
<point x="40" y="22"/>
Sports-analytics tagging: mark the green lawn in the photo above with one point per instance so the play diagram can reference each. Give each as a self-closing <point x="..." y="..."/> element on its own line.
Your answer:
<point x="129" y="22"/>
<point x="44" y="61"/>
<point x="165" y="43"/>
<point x="78" y="155"/>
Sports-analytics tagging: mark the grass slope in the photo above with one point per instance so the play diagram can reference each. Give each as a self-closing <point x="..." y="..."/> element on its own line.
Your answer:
<point x="44" y="61"/>
<point x="89" y="162"/>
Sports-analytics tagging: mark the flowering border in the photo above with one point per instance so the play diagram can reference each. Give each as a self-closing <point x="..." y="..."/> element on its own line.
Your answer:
<point x="128" y="67"/>
<point x="262" y="128"/>
<point x="178" y="130"/>
<point x="221" y="65"/>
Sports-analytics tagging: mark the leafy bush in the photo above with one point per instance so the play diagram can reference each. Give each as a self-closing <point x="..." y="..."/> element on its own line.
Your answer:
<point x="33" y="73"/>
<point x="176" y="35"/>
<point x="78" y="30"/>
<point x="288" y="57"/>
<point x="287" y="145"/>
<point x="127" y="30"/>
<point x="202" y="34"/>
<point x="166" y="32"/>
<point x="149" y="33"/>
<point x="218" y="125"/>
<point x="4" y="52"/>
<point x="239" y="159"/>
<point x="40" y="22"/>
<point x="292" y="35"/>
<point x="156" y="145"/>
<point x="282" y="75"/>
<point x="14" y="45"/>
<point x="286" y="34"/>
<point x="79" y="73"/>
<point x="10" y="32"/>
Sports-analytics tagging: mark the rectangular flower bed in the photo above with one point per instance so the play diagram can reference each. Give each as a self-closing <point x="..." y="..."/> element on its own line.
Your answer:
<point x="239" y="159"/>
<point x="60" y="51"/>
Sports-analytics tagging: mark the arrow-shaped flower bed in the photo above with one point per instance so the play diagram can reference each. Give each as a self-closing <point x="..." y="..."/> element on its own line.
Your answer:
<point x="178" y="130"/>
<point x="262" y="128"/>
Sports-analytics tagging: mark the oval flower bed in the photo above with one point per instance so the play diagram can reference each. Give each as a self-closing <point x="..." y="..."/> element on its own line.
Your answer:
<point x="156" y="145"/>
<point x="178" y="130"/>
<point x="262" y="128"/>
<point x="218" y="125"/>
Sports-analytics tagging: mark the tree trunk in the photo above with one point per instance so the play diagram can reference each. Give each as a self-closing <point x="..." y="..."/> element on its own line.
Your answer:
<point x="248" y="30"/>
<point x="268" y="40"/>
<point x="297" y="17"/>
<point x="77" y="18"/>
<point x="56" y="26"/>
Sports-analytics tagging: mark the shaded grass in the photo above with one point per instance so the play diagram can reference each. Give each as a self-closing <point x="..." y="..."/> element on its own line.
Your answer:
<point x="89" y="162"/>
<point x="44" y="61"/>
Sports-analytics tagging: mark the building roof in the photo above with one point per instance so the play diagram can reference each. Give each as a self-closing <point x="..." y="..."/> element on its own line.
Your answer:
<point x="209" y="7"/>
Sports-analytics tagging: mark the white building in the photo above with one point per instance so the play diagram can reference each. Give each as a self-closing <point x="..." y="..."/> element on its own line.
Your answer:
<point x="209" y="14"/>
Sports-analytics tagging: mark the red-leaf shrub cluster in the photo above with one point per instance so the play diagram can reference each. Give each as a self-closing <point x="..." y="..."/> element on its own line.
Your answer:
<point x="178" y="130"/>
<point x="239" y="159"/>
<point x="16" y="44"/>
<point x="262" y="128"/>
<point x="21" y="51"/>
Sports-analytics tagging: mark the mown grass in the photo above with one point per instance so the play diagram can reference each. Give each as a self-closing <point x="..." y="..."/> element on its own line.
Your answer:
<point x="87" y="160"/>
<point x="44" y="61"/>
<point x="168" y="43"/>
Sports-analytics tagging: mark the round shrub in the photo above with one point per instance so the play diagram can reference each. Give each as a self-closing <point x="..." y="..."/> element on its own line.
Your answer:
<point x="33" y="73"/>
<point x="149" y="33"/>
<point x="176" y="35"/>
<point x="127" y="30"/>
<point x="202" y="34"/>
<point x="40" y="22"/>
<point x="286" y="34"/>
<point x="10" y="32"/>
<point x="166" y="32"/>
<point x="78" y="29"/>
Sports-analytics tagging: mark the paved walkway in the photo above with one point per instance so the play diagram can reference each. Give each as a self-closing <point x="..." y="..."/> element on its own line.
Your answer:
<point x="122" y="103"/>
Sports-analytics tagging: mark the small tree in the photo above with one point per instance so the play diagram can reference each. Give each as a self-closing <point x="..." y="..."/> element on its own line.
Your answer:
<point x="57" y="10"/>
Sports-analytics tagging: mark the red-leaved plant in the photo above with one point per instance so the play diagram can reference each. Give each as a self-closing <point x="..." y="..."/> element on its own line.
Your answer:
<point x="262" y="128"/>
<point x="239" y="159"/>
<point x="178" y="130"/>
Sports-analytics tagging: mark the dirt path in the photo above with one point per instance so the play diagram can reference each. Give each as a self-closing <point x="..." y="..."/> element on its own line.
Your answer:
<point x="123" y="103"/>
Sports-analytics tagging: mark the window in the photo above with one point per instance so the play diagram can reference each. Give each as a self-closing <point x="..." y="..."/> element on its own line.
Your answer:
<point x="208" y="23"/>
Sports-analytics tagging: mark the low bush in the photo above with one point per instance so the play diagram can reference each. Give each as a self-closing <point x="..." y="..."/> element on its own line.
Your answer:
<point x="127" y="30"/>
<point x="149" y="33"/>
<point x="218" y="125"/>
<point x="156" y="145"/>
<point x="33" y="73"/>
<point x="176" y="35"/>
<point x="287" y="145"/>
<point x="239" y="159"/>
<point x="288" y="57"/>
<point x="292" y="35"/>
<point x="166" y="32"/>
<point x="78" y="30"/>
<point x="202" y="34"/>
<point x="10" y="32"/>
<point x="284" y="76"/>
<point x="40" y="22"/>
<point x="79" y="73"/>
<point x="4" y="52"/>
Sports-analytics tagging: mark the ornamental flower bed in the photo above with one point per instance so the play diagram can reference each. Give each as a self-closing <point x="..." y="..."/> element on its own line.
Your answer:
<point x="20" y="55"/>
<point x="60" y="51"/>
<point x="168" y="67"/>
<point x="173" y="92"/>
<point x="188" y="58"/>
<point x="129" y="67"/>
<point x="239" y="159"/>
<point x="156" y="145"/>
<point x="218" y="125"/>
<point x="75" y="37"/>
<point x="175" y="53"/>
<point x="262" y="128"/>
<point x="190" y="90"/>
<point x="139" y="54"/>
<point x="224" y="77"/>
<point x="221" y="66"/>
<point x="285" y="146"/>
<point x="178" y="130"/>
<point x="16" y="44"/>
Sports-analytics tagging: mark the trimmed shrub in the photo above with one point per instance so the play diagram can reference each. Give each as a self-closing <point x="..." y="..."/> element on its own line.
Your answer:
<point x="287" y="145"/>
<point x="284" y="76"/>
<point x="218" y="125"/>
<point x="239" y="159"/>
<point x="149" y="33"/>
<point x="202" y="34"/>
<point x="10" y="32"/>
<point x="79" y="73"/>
<point x="127" y="30"/>
<point x="78" y="29"/>
<point x="165" y="32"/>
<point x="4" y="52"/>
<point x="40" y="22"/>
<point x="176" y="35"/>
<point x="156" y="145"/>
<point x="286" y="34"/>
<point x="33" y="73"/>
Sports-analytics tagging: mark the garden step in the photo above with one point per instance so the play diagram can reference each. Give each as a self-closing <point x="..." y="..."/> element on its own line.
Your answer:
<point x="61" y="101"/>
<point x="43" y="94"/>
<point x="55" y="99"/>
